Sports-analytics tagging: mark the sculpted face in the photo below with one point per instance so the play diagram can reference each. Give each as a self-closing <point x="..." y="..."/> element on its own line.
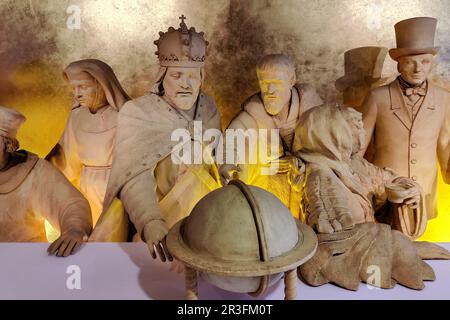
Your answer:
<point x="182" y="86"/>
<point x="354" y="96"/>
<point x="275" y="88"/>
<point x="415" y="69"/>
<point x="88" y="92"/>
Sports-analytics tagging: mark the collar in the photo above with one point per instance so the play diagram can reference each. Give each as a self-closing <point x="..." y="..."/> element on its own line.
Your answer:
<point x="19" y="166"/>
<point x="406" y="85"/>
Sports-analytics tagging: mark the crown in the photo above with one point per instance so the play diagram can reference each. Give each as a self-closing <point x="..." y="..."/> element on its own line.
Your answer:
<point x="182" y="47"/>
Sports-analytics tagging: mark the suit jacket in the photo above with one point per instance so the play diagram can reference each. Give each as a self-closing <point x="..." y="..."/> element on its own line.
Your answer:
<point x="411" y="147"/>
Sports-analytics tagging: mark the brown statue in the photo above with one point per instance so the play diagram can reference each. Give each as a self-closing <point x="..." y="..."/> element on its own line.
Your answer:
<point x="278" y="105"/>
<point x="363" y="69"/>
<point x="408" y="120"/>
<point x="345" y="197"/>
<point x="155" y="188"/>
<point x="32" y="191"/>
<point x="84" y="152"/>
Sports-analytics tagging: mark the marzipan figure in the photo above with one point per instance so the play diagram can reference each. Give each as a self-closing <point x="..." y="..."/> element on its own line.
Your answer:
<point x="32" y="191"/>
<point x="84" y="152"/>
<point x="277" y="106"/>
<point x="156" y="190"/>
<point x="408" y="120"/>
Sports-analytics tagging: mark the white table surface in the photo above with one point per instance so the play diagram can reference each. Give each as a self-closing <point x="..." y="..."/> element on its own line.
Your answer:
<point x="127" y="271"/>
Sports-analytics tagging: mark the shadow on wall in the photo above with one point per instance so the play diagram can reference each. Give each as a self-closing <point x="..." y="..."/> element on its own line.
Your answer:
<point x="239" y="40"/>
<point x="30" y="79"/>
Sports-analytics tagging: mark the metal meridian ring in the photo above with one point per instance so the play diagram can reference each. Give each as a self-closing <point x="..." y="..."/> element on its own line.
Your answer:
<point x="262" y="242"/>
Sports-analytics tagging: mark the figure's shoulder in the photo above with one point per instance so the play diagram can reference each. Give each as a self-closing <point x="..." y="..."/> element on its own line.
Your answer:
<point x="382" y="90"/>
<point x="142" y="107"/>
<point x="305" y="88"/>
<point x="243" y="120"/>
<point x="146" y="99"/>
<point x="207" y="102"/>
<point x="318" y="172"/>
<point x="77" y="112"/>
<point x="251" y="101"/>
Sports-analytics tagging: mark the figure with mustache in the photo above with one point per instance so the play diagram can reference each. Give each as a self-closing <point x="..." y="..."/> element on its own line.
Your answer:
<point x="32" y="191"/>
<point x="278" y="105"/>
<point x="408" y="120"/>
<point x="156" y="190"/>
<point x="84" y="152"/>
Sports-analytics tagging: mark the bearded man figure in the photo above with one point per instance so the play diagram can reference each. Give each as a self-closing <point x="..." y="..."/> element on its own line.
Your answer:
<point x="33" y="191"/>
<point x="277" y="106"/>
<point x="156" y="188"/>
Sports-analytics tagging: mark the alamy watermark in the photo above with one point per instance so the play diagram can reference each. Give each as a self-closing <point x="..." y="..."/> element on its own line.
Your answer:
<point x="74" y="17"/>
<point x="73" y="281"/>
<point x="234" y="146"/>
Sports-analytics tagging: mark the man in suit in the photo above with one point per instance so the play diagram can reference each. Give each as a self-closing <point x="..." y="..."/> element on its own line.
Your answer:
<point x="409" y="119"/>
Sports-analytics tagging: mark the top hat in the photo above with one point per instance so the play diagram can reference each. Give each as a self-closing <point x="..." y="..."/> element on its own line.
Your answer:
<point x="414" y="36"/>
<point x="363" y="66"/>
<point x="10" y="122"/>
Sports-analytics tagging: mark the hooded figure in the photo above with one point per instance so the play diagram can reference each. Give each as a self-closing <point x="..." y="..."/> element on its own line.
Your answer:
<point x="341" y="196"/>
<point x="328" y="139"/>
<point x="33" y="191"/>
<point x="84" y="153"/>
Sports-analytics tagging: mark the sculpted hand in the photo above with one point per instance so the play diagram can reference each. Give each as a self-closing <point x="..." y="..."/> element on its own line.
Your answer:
<point x="67" y="244"/>
<point x="228" y="172"/>
<point x="155" y="233"/>
<point x="283" y="164"/>
<point x="404" y="191"/>
<point x="327" y="211"/>
<point x="296" y="175"/>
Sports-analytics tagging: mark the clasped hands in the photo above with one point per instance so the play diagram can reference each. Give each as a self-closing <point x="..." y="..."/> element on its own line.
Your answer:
<point x="404" y="191"/>
<point x="290" y="165"/>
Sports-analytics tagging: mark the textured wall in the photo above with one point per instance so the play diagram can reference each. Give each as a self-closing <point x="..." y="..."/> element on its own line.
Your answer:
<point x="35" y="45"/>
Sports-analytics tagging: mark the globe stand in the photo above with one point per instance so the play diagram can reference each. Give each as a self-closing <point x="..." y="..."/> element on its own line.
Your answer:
<point x="290" y="284"/>
<point x="191" y="283"/>
<point x="190" y="274"/>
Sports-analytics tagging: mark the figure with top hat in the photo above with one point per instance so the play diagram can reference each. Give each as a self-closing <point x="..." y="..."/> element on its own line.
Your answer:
<point x="408" y="120"/>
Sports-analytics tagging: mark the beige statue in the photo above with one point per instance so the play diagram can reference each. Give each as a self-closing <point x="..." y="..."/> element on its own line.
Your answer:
<point x="84" y="152"/>
<point x="363" y="68"/>
<point x="32" y="191"/>
<point x="408" y="120"/>
<point x="343" y="198"/>
<point x="156" y="189"/>
<point x="342" y="188"/>
<point x="278" y="105"/>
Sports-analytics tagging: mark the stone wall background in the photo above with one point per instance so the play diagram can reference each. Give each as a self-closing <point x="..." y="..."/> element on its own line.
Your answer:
<point x="36" y="44"/>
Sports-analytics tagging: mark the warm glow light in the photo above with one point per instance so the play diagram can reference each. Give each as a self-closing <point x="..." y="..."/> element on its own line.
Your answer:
<point x="438" y="230"/>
